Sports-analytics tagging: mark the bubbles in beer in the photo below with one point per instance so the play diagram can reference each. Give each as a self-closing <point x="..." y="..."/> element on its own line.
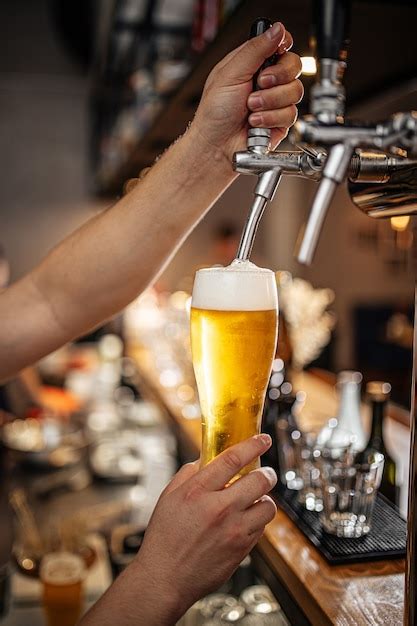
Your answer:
<point x="233" y="331"/>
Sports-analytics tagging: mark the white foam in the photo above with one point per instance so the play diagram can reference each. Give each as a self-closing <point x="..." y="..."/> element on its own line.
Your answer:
<point x="241" y="286"/>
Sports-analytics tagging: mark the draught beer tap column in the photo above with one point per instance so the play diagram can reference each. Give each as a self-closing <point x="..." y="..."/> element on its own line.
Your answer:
<point x="331" y="20"/>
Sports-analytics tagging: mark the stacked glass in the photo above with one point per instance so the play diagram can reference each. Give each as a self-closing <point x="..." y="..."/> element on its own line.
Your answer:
<point x="336" y="481"/>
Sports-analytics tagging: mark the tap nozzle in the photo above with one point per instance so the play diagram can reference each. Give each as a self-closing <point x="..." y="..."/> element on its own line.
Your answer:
<point x="264" y="191"/>
<point x="334" y="172"/>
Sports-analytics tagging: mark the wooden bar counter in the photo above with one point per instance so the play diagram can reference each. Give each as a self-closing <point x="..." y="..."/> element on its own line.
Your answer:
<point x="313" y="591"/>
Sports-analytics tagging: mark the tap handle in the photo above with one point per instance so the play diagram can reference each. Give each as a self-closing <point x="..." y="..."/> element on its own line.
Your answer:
<point x="331" y="23"/>
<point x="259" y="26"/>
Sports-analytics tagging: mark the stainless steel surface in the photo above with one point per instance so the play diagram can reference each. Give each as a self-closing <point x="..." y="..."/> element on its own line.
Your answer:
<point x="400" y="130"/>
<point x="398" y="194"/>
<point x="312" y="229"/>
<point x="258" y="140"/>
<point x="410" y="600"/>
<point x="251" y="226"/>
<point x="334" y="171"/>
<point x="294" y="163"/>
<point x="328" y="93"/>
<point x="370" y="167"/>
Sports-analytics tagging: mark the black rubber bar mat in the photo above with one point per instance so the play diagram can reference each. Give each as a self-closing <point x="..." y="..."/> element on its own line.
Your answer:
<point x="386" y="539"/>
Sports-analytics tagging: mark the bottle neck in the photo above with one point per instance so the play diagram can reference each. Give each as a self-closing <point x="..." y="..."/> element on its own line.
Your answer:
<point x="376" y="439"/>
<point x="350" y="397"/>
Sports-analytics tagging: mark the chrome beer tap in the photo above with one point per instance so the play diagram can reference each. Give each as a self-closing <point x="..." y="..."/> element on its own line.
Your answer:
<point x="336" y="155"/>
<point x="350" y="147"/>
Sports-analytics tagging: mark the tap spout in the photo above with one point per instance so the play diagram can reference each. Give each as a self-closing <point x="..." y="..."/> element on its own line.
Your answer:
<point x="334" y="172"/>
<point x="264" y="191"/>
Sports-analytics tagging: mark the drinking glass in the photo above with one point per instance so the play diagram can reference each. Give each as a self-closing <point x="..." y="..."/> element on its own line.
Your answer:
<point x="349" y="492"/>
<point x="312" y="451"/>
<point x="62" y="575"/>
<point x="234" y="318"/>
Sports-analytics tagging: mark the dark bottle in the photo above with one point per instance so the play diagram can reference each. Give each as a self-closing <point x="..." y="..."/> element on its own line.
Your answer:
<point x="269" y="418"/>
<point x="279" y="422"/>
<point x="378" y="394"/>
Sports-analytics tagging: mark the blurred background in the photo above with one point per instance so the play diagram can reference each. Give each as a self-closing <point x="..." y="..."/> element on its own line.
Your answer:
<point x="91" y="92"/>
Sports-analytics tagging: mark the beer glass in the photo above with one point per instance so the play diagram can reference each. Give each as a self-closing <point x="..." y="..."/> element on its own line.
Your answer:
<point x="234" y="325"/>
<point x="62" y="575"/>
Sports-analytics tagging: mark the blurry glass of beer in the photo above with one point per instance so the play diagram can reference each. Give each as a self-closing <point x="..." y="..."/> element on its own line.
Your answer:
<point x="234" y="319"/>
<point x="62" y="575"/>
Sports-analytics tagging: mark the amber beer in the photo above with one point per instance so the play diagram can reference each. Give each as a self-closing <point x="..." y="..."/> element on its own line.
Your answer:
<point x="233" y="335"/>
<point x="62" y="575"/>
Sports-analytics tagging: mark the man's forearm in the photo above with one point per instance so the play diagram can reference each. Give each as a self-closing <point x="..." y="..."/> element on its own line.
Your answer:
<point x="101" y="267"/>
<point x="135" y="599"/>
<point x="104" y="265"/>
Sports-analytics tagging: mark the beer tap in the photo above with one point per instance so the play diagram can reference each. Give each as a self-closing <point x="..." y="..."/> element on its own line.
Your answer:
<point x="258" y="144"/>
<point x="336" y="155"/>
<point x="350" y="147"/>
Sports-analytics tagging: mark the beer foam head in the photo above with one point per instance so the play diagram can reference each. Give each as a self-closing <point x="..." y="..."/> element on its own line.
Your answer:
<point x="241" y="286"/>
<point x="62" y="568"/>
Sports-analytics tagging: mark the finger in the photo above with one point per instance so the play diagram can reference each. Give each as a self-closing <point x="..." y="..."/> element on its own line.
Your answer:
<point x="286" y="44"/>
<point x="223" y="468"/>
<point x="249" y="58"/>
<point x="286" y="70"/>
<point x="252" y="487"/>
<point x="276" y="98"/>
<point x="282" y="118"/>
<point x="186" y="472"/>
<point x="278" y="135"/>
<point x="259" y="514"/>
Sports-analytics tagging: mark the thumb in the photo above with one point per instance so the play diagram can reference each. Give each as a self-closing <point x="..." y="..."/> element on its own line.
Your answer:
<point x="187" y="471"/>
<point x="249" y="57"/>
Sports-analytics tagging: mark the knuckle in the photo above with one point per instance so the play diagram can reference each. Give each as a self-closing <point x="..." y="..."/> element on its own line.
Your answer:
<point x="270" y="510"/>
<point x="298" y="90"/>
<point x="235" y="536"/>
<point x="232" y="461"/>
<point x="219" y="516"/>
<point x="246" y="543"/>
<point x="265" y="481"/>
<point x="291" y="66"/>
<point x="286" y="74"/>
<point x="292" y="115"/>
<point x="193" y="492"/>
<point x="296" y="64"/>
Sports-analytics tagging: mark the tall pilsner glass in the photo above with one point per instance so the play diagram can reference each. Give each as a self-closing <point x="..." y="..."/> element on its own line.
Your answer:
<point x="234" y="325"/>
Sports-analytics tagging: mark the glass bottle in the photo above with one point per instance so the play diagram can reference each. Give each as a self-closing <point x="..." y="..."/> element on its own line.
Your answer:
<point x="349" y="415"/>
<point x="276" y="402"/>
<point x="378" y="394"/>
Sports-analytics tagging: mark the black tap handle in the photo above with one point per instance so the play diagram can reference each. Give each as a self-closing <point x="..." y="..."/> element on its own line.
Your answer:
<point x="331" y="24"/>
<point x="259" y="26"/>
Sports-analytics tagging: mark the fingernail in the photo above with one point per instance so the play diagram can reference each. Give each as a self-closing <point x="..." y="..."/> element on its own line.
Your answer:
<point x="275" y="31"/>
<point x="267" y="80"/>
<point x="265" y="439"/>
<point x="271" y="474"/>
<point x="255" y="119"/>
<point x="255" y="101"/>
